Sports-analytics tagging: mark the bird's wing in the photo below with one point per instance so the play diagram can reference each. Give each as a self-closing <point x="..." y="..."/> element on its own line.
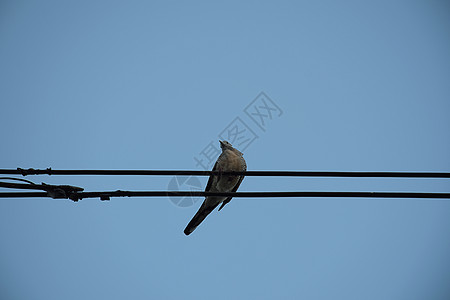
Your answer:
<point x="205" y="209"/>
<point x="233" y="190"/>
<point x="211" y="178"/>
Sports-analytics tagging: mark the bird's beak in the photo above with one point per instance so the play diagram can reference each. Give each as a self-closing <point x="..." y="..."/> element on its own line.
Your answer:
<point x="221" y="142"/>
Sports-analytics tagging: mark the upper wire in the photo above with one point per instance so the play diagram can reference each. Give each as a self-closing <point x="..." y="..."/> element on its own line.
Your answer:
<point x="50" y="171"/>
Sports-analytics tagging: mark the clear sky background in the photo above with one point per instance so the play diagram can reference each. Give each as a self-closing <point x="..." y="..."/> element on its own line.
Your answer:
<point x="362" y="86"/>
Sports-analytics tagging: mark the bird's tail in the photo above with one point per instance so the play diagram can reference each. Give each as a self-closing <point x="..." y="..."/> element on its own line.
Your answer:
<point x="201" y="214"/>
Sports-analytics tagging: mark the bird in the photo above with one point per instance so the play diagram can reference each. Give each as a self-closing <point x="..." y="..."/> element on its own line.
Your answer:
<point x="229" y="160"/>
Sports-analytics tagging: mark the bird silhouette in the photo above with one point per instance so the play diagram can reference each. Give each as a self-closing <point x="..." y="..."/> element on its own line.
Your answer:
<point x="229" y="160"/>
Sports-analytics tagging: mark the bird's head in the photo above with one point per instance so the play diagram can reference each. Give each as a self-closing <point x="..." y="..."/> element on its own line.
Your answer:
<point x="225" y="145"/>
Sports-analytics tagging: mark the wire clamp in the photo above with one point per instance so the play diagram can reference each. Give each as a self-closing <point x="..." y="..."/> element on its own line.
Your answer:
<point x="63" y="191"/>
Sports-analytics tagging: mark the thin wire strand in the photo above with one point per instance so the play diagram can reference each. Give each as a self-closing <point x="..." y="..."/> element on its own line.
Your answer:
<point x="17" y="179"/>
<point x="49" y="171"/>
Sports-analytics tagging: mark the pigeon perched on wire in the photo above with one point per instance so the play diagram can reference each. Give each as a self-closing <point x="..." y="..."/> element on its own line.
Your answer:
<point x="230" y="160"/>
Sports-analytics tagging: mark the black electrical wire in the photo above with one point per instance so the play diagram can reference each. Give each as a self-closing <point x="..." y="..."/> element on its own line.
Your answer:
<point x="107" y="194"/>
<point x="76" y="193"/>
<point x="49" y="171"/>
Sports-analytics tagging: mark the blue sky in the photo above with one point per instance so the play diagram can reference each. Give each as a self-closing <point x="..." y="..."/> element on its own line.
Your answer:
<point x="361" y="86"/>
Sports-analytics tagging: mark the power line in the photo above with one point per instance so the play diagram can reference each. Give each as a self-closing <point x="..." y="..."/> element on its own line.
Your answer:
<point x="107" y="194"/>
<point x="49" y="171"/>
<point x="76" y="193"/>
